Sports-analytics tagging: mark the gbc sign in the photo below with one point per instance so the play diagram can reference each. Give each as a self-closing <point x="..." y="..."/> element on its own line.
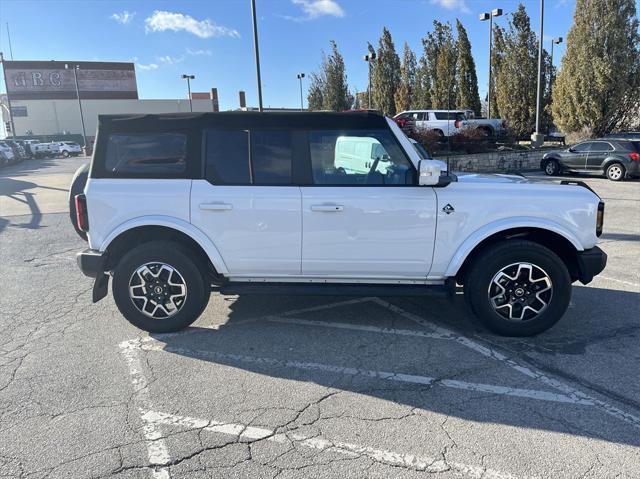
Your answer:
<point x="51" y="80"/>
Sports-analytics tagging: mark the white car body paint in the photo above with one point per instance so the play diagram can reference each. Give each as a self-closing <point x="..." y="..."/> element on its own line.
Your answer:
<point x="341" y="234"/>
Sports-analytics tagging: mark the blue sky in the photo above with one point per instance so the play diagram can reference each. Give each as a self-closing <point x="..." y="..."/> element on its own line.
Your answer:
<point x="213" y="40"/>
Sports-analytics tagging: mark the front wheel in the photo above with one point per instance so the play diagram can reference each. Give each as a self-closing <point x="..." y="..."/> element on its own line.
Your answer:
<point x="551" y="168"/>
<point x="65" y="154"/>
<point x="518" y="288"/>
<point x="159" y="288"/>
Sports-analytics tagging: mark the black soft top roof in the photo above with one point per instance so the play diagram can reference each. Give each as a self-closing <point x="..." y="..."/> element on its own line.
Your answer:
<point x="244" y="119"/>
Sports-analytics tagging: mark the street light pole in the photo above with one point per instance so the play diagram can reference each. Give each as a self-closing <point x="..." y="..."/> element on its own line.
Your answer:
<point x="75" y="78"/>
<point x="189" y="78"/>
<point x="496" y="12"/>
<point x="300" y="77"/>
<point x="537" y="139"/>
<point x="257" y="52"/>
<point x="4" y="73"/>
<point x="369" y="58"/>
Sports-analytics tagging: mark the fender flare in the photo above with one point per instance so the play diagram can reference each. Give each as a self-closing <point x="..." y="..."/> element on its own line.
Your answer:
<point x="490" y="229"/>
<point x="173" y="223"/>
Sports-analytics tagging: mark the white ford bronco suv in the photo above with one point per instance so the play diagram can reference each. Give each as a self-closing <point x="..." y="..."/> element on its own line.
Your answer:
<point x="176" y="206"/>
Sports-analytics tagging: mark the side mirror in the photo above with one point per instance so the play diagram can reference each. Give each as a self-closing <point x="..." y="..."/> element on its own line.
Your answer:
<point x="428" y="173"/>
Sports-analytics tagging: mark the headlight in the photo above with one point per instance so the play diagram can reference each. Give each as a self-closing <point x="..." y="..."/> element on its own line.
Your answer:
<point x="600" y="219"/>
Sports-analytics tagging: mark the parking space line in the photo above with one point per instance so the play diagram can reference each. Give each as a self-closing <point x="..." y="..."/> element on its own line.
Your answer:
<point x="395" y="459"/>
<point x="528" y="371"/>
<point x="157" y="450"/>
<point x="150" y="344"/>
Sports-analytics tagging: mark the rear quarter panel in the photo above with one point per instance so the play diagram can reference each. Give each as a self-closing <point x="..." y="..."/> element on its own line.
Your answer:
<point x="112" y="202"/>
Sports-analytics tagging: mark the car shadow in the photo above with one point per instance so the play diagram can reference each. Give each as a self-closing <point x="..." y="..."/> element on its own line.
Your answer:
<point x="27" y="167"/>
<point x="243" y="335"/>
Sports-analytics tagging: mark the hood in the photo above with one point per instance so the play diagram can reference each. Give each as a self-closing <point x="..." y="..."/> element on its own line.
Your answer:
<point x="489" y="178"/>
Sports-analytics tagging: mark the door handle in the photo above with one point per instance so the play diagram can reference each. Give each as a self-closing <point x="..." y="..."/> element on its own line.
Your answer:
<point x="327" y="208"/>
<point x="216" y="206"/>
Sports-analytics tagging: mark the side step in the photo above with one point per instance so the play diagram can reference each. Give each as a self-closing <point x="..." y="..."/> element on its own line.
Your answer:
<point x="332" y="289"/>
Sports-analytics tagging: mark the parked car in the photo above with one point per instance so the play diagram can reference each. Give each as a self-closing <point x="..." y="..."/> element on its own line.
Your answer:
<point x="42" y="150"/>
<point x="450" y="122"/>
<point x="28" y="147"/>
<point x="624" y="135"/>
<point x="66" y="148"/>
<point x="617" y="159"/>
<point x="177" y="206"/>
<point x="18" y="150"/>
<point x="7" y="153"/>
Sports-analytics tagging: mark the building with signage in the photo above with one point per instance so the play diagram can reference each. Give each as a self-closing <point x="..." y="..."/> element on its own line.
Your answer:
<point x="43" y="96"/>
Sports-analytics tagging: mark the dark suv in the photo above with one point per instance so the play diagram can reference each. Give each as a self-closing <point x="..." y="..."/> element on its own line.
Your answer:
<point x="616" y="158"/>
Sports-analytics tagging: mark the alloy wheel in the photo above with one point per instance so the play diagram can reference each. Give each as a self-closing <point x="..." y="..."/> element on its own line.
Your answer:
<point x="614" y="172"/>
<point x="157" y="290"/>
<point x="520" y="291"/>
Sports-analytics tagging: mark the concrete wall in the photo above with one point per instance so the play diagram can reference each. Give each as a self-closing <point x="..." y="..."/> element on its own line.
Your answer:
<point x="497" y="162"/>
<point x="48" y="117"/>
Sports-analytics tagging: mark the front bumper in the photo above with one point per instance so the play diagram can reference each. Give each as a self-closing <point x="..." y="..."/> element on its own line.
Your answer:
<point x="591" y="262"/>
<point x="91" y="262"/>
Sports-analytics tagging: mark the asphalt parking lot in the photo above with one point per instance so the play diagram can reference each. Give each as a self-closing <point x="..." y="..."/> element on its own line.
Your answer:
<point x="300" y="387"/>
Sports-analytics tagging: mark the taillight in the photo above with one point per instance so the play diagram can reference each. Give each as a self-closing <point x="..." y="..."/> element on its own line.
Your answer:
<point x="634" y="156"/>
<point x="600" y="218"/>
<point x="456" y="124"/>
<point x="82" y="215"/>
<point x="504" y="123"/>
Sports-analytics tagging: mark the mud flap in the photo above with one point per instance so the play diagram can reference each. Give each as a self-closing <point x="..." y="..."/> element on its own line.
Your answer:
<point x="100" y="287"/>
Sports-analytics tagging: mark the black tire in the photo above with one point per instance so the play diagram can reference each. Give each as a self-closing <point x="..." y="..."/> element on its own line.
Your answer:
<point x="65" y="154"/>
<point x="505" y="256"/>
<point x="181" y="260"/>
<point x="616" y="172"/>
<point x="77" y="187"/>
<point x="551" y="168"/>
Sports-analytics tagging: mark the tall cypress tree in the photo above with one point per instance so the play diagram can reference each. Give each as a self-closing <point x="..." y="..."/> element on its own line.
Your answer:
<point x="497" y="56"/>
<point x="421" y="97"/>
<point x="516" y="79"/>
<point x="336" y="94"/>
<point x="467" y="96"/>
<point x="405" y="90"/>
<point x="598" y="86"/>
<point x="440" y="55"/>
<point x="386" y="74"/>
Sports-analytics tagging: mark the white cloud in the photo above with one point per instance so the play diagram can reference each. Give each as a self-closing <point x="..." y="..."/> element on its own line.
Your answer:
<point x="459" y="5"/>
<point x="169" y="60"/>
<point x="162" y="21"/>
<point x="148" y="66"/>
<point x="123" y="17"/>
<point x="318" y="8"/>
<point x="198" y="52"/>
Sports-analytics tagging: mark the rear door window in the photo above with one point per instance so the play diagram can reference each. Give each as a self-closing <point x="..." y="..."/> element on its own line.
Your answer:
<point x="152" y="154"/>
<point x="271" y="157"/>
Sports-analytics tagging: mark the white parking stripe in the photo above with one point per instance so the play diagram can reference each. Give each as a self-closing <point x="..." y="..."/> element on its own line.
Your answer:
<point x="157" y="450"/>
<point x="150" y="344"/>
<point x="489" y="352"/>
<point x="250" y="433"/>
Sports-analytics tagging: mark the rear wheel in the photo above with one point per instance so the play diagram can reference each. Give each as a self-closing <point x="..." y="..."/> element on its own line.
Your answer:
<point x="615" y="172"/>
<point x="518" y="288"/>
<point x="551" y="168"/>
<point x="159" y="288"/>
<point x="65" y="154"/>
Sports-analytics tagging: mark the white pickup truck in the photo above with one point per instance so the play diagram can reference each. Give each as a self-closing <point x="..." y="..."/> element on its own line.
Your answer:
<point x="450" y="122"/>
<point x="177" y="206"/>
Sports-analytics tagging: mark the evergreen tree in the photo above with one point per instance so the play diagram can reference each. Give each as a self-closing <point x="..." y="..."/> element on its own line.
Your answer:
<point x="598" y="86"/>
<point x="421" y="97"/>
<point x="440" y="55"/>
<point x="316" y="87"/>
<point x="386" y="74"/>
<point x="497" y="56"/>
<point x="404" y="92"/>
<point x="467" y="96"/>
<point x="516" y="79"/>
<point x="328" y="89"/>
